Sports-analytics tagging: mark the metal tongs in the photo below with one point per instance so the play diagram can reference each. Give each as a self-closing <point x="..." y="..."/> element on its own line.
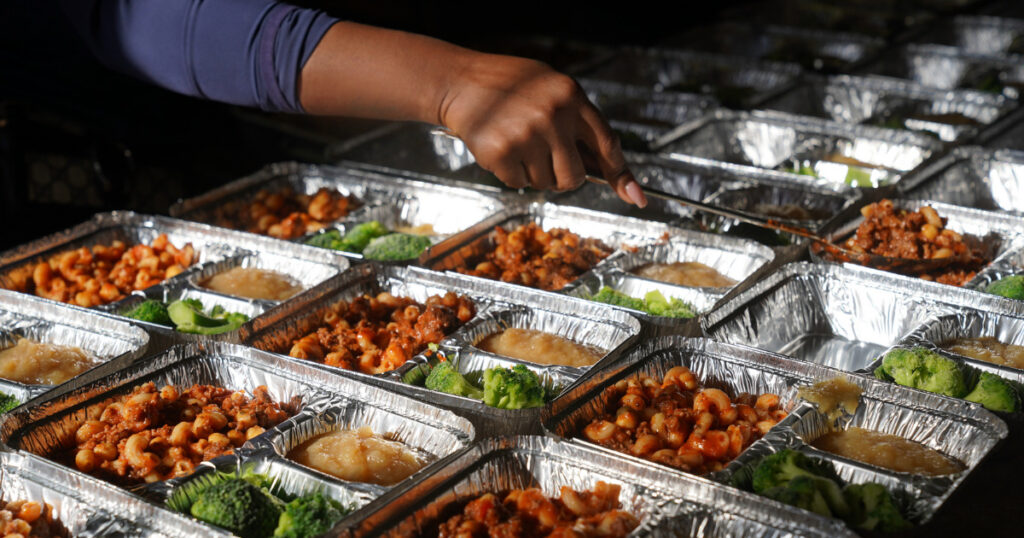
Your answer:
<point x="839" y="252"/>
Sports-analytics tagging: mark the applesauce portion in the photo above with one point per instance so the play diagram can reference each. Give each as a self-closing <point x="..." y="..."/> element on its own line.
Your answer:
<point x="888" y="451"/>
<point x="540" y="347"/>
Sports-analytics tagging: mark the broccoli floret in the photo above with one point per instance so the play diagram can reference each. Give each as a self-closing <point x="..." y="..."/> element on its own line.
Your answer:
<point x="656" y="304"/>
<point x="801" y="492"/>
<point x="240" y="507"/>
<point x="7" y="402"/>
<point x="995" y="394"/>
<point x="151" y="311"/>
<point x="512" y="388"/>
<point x="611" y="296"/>
<point x="778" y="469"/>
<point x="396" y="247"/>
<point x="872" y="508"/>
<point x="329" y="239"/>
<point x="924" y="369"/>
<point x="445" y="378"/>
<point x="308" y="516"/>
<point x="1011" y="287"/>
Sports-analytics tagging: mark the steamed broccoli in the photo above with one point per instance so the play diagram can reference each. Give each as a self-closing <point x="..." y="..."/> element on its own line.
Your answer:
<point x="151" y="311"/>
<point x="1011" y="287"/>
<point x="308" y="516"/>
<point x="396" y="247"/>
<point x="7" y="402"/>
<point x="445" y="378"/>
<point x="240" y="507"/>
<point x="611" y="296"/>
<point x="329" y="239"/>
<point x="512" y="388"/>
<point x="995" y="393"/>
<point x="923" y="369"/>
<point x="872" y="508"/>
<point x="778" y="469"/>
<point x="653" y="303"/>
<point x="801" y="492"/>
<point x="354" y="241"/>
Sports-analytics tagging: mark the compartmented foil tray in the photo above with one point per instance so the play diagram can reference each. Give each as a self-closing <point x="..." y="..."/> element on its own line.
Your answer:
<point x="841" y="156"/>
<point x="667" y="504"/>
<point x="23" y="316"/>
<point x="640" y="104"/>
<point x="950" y="115"/>
<point x="978" y="34"/>
<point x="323" y="401"/>
<point x="972" y="177"/>
<point x="940" y="423"/>
<point x="813" y="48"/>
<point x="738" y="259"/>
<point x="734" y="81"/>
<point x="948" y="68"/>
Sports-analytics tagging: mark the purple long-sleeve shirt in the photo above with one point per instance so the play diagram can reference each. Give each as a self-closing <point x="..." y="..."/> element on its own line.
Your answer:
<point x="245" y="52"/>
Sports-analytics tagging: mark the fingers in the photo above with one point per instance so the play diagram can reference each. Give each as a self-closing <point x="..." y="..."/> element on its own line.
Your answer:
<point x="568" y="166"/>
<point x="539" y="169"/>
<point x="598" y="137"/>
<point x="511" y="173"/>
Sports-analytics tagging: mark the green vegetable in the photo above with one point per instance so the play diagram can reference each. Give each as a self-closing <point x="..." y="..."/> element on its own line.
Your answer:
<point x="188" y="317"/>
<point x="512" y="388"/>
<point x="923" y="369"/>
<point x="780" y="468"/>
<point x="151" y="311"/>
<point x="802" y="492"/>
<point x="872" y="508"/>
<point x="396" y="247"/>
<point x="7" y="402"/>
<point x="858" y="177"/>
<point x="803" y="170"/>
<point x="445" y="378"/>
<point x="611" y="296"/>
<point x="309" y="516"/>
<point x="995" y="393"/>
<point x="329" y="239"/>
<point x="1011" y="287"/>
<point x="653" y="303"/>
<point x="240" y="507"/>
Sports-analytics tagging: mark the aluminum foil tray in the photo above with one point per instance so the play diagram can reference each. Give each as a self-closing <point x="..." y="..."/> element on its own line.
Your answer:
<point x="895" y="103"/>
<point x="1001" y="235"/>
<point x="87" y="508"/>
<point x="734" y="81"/>
<point x="738" y="259"/>
<point x="978" y="34"/>
<point x="973" y="177"/>
<point x="938" y="422"/>
<point x="969" y="322"/>
<point x="782" y="142"/>
<point x="884" y="19"/>
<point x="949" y="68"/>
<point x="1007" y="133"/>
<point x="813" y="48"/>
<point x="839" y="316"/>
<point x="46" y="321"/>
<point x="640" y="104"/>
<point x="466" y="249"/>
<point x="668" y="504"/>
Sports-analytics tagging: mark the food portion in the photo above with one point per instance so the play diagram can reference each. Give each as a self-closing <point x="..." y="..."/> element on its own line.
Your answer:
<point x="251" y="507"/>
<point x="188" y="316"/>
<point x="517" y="387"/>
<point x="793" y="478"/>
<point x="918" y="235"/>
<point x="253" y="283"/>
<point x="375" y="242"/>
<point x="924" y="369"/>
<point x="29" y="519"/>
<point x="539" y="347"/>
<point x="531" y="256"/>
<point x="7" y="402"/>
<point x="528" y="512"/>
<point x="693" y="274"/>
<point x="38" y="363"/>
<point x="1011" y="287"/>
<point x="104" y="274"/>
<point x="889" y="451"/>
<point x="839" y="168"/>
<point x="359" y="456"/>
<point x="284" y="214"/>
<point x="676" y="423"/>
<point x="988" y="349"/>
<point x="155" y="434"/>
<point x="653" y="303"/>
<point x="834" y="397"/>
<point x="378" y="334"/>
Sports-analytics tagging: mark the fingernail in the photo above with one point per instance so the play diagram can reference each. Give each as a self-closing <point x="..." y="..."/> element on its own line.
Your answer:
<point x="636" y="194"/>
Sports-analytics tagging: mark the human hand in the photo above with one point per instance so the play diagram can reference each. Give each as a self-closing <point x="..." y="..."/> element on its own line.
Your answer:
<point x="532" y="126"/>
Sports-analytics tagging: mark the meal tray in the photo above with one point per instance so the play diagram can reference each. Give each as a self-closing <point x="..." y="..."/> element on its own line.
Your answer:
<point x="972" y="177"/>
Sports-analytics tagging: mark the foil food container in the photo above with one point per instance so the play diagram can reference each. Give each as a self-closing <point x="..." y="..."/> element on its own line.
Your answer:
<point x="972" y="177"/>
<point x="41" y="320"/>
<point x="740" y="260"/>
<point x="838" y="316"/>
<point x="813" y="48"/>
<point x="971" y="322"/>
<point x="885" y="19"/>
<point x="950" y="68"/>
<point x="840" y="155"/>
<point x="640" y="104"/>
<point x="1007" y="133"/>
<point x="734" y="81"/>
<point x="978" y="34"/>
<point x="940" y="423"/>
<point x="667" y="504"/>
<point x="949" y="115"/>
<point x="87" y="508"/>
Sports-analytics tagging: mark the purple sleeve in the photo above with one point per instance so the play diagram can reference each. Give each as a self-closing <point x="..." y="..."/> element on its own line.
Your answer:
<point x="245" y="52"/>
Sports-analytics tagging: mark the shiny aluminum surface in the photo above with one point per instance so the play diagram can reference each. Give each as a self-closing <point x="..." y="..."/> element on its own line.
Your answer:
<point x="973" y="177"/>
